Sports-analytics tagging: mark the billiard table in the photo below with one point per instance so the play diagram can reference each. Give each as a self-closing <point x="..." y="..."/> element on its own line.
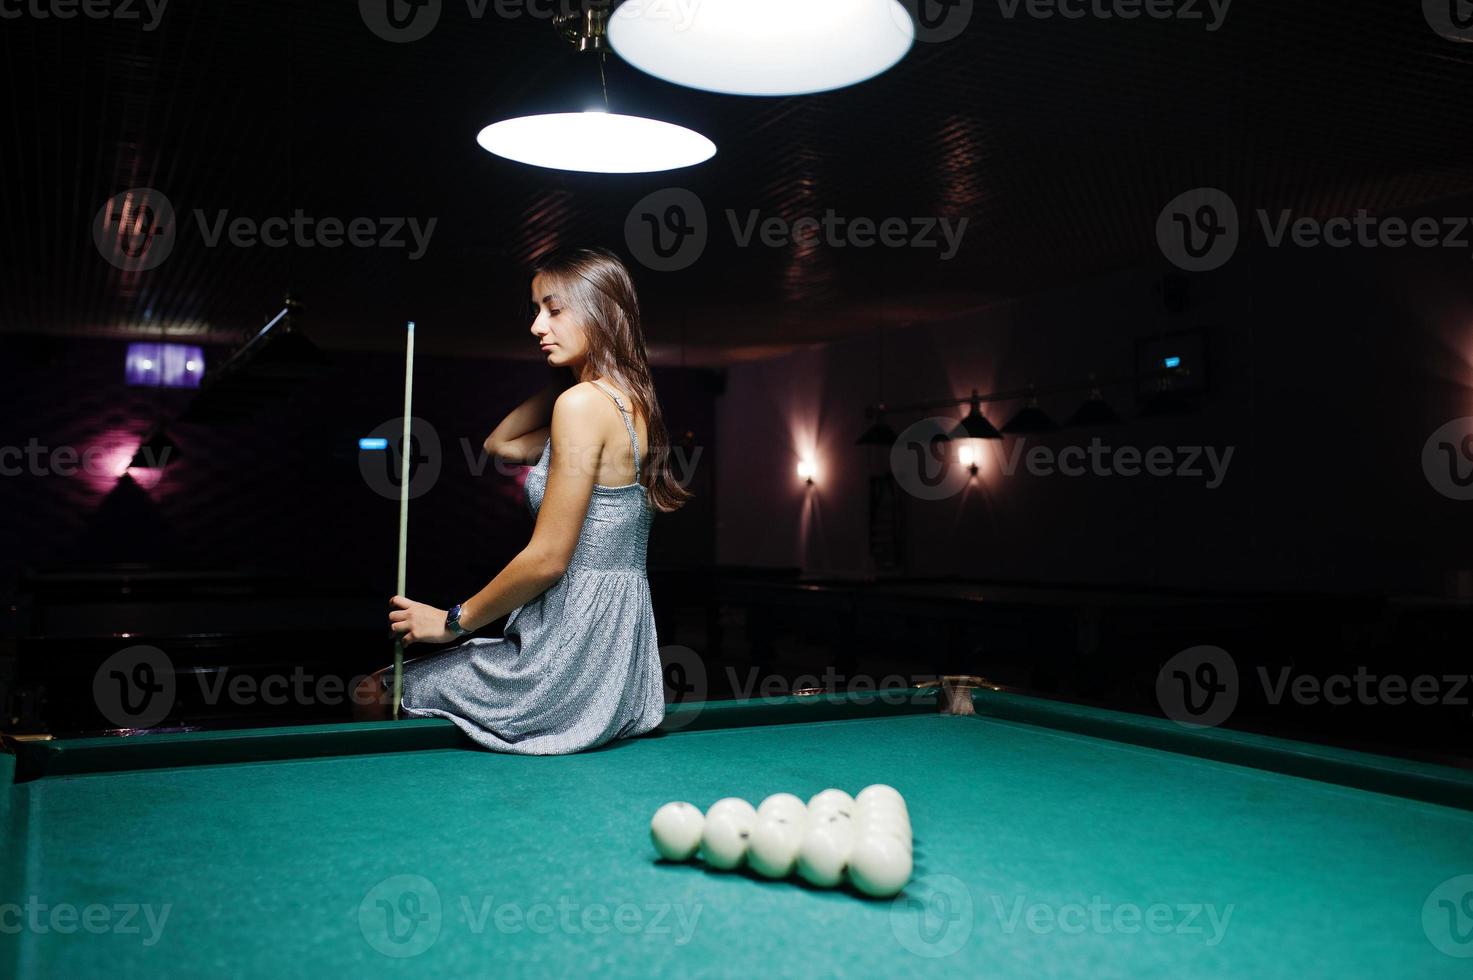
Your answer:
<point x="1050" y="839"/>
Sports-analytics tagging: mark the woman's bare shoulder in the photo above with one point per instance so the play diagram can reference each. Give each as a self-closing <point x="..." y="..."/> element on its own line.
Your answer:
<point x="580" y="400"/>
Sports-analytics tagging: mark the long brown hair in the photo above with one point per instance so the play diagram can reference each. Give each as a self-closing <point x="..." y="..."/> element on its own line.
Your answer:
<point x="598" y="286"/>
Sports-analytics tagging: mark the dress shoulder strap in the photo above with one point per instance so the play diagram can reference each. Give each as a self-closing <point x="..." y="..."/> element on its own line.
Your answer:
<point x="628" y="424"/>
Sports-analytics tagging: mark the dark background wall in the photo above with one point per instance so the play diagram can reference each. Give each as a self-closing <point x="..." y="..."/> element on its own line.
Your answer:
<point x="283" y="491"/>
<point x="1327" y="372"/>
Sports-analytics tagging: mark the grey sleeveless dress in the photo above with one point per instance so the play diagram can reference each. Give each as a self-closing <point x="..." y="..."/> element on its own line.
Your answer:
<point x="579" y="665"/>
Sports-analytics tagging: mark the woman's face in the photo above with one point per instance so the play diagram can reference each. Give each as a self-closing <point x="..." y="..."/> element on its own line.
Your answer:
<point x="556" y="326"/>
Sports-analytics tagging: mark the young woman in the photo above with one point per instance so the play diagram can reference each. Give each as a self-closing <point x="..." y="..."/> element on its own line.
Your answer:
<point x="579" y="663"/>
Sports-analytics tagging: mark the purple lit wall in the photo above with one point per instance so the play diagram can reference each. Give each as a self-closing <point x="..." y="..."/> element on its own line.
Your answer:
<point x="282" y="491"/>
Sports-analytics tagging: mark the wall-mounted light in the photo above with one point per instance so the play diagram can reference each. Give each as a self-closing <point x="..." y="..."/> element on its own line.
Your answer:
<point x="807" y="470"/>
<point x="969" y="433"/>
<point x="968" y="457"/>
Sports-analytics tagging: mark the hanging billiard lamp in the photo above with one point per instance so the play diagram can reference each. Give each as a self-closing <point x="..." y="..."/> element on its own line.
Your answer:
<point x="595" y="140"/>
<point x="762" y="47"/>
<point x="156" y="451"/>
<point x="970" y="431"/>
<point x="1030" y="419"/>
<point x="879" y="433"/>
<point x="1094" y="412"/>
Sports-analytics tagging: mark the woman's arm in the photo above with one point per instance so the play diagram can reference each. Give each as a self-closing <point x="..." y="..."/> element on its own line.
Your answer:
<point x="571" y="474"/>
<point x="519" y="437"/>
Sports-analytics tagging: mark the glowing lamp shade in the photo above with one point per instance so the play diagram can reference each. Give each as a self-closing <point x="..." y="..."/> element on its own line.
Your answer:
<point x="762" y="47"/>
<point x="807" y="470"/>
<point x="596" y="142"/>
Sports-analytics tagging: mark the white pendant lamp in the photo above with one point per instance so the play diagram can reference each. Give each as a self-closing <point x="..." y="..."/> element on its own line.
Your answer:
<point x="762" y="47"/>
<point x="595" y="141"/>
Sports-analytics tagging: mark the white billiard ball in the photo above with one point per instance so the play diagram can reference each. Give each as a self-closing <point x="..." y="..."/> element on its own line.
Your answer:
<point x="883" y="816"/>
<point x="831" y="799"/>
<point x="724" y="840"/>
<point x="879" y="865"/>
<point x="889" y="830"/>
<point x="879" y="791"/>
<point x="676" y="830"/>
<point x="734" y="805"/>
<point x="882" y="812"/>
<point x="836" y="820"/>
<point x="773" y="850"/>
<point x="824" y="853"/>
<point x="783" y="805"/>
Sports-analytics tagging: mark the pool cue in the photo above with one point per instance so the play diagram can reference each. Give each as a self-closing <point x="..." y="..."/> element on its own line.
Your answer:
<point x="404" y="510"/>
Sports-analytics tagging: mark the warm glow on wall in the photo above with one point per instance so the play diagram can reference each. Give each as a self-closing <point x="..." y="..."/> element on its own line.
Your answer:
<point x="969" y="456"/>
<point x="807" y="470"/>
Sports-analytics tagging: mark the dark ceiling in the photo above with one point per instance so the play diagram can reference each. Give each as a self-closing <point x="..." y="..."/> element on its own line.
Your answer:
<point x="1059" y="140"/>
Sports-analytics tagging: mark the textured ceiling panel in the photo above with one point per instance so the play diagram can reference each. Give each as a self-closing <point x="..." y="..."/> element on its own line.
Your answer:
<point x="1058" y="140"/>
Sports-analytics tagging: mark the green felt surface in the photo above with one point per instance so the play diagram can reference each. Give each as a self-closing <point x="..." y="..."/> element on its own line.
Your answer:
<point x="543" y="866"/>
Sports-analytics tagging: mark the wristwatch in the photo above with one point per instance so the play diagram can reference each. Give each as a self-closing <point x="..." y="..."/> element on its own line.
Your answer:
<point x="452" y="621"/>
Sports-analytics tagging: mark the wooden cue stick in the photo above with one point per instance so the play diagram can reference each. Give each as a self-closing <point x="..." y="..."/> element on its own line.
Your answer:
<point x="404" y="509"/>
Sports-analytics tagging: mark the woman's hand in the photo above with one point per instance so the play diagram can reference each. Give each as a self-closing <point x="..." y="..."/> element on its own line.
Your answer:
<point x="416" y="622"/>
